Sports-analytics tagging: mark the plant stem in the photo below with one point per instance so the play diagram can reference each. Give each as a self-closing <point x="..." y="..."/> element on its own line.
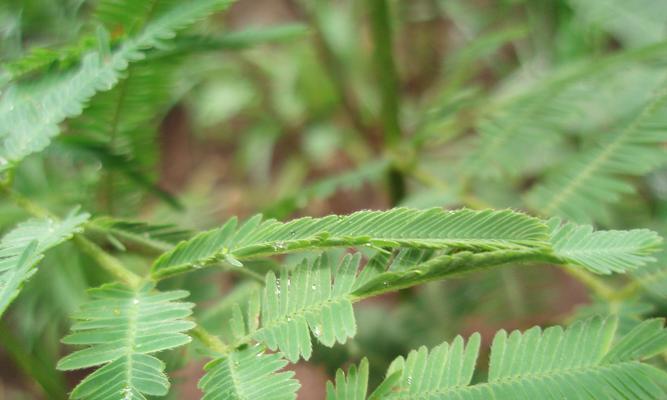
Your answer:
<point x="210" y="340"/>
<point x="108" y="262"/>
<point x="245" y="271"/>
<point x="385" y="69"/>
<point x="334" y="69"/>
<point x="592" y="282"/>
<point x="48" y="378"/>
<point x="443" y="267"/>
<point x="26" y="204"/>
<point x="629" y="290"/>
<point x="104" y="259"/>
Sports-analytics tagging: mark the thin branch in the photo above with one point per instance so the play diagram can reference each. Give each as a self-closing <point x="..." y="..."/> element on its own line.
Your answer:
<point x="388" y="82"/>
<point x="103" y="259"/>
<point x="334" y="69"/>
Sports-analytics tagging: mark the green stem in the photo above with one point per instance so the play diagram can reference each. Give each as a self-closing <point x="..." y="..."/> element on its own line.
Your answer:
<point x="334" y="69"/>
<point x="385" y="69"/>
<point x="628" y="291"/>
<point x="26" y="204"/>
<point x="594" y="283"/>
<point x="209" y="340"/>
<point x="108" y="262"/>
<point x="48" y="378"/>
<point x="445" y="266"/>
<point x="105" y="260"/>
<point x="245" y="271"/>
<point x="136" y="242"/>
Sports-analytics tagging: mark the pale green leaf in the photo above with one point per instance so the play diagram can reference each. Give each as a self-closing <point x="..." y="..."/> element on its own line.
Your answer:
<point x="23" y="247"/>
<point x="123" y="327"/>
<point x="400" y="227"/>
<point x="248" y="374"/>
<point x="603" y="252"/>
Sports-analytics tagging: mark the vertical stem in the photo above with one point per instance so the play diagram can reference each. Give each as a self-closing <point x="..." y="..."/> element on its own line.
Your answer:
<point x="48" y="378"/>
<point x="334" y="68"/>
<point x="107" y="261"/>
<point x="385" y="69"/>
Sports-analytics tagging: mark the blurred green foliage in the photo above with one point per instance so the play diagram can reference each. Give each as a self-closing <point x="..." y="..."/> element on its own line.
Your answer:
<point x="312" y="107"/>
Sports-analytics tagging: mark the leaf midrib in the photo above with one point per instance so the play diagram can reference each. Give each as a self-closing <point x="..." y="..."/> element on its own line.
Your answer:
<point x="518" y="379"/>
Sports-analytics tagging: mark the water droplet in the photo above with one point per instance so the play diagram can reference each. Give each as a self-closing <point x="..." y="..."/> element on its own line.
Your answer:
<point x="3" y="161"/>
<point x="385" y="283"/>
<point x="135" y="301"/>
<point x="197" y="266"/>
<point x="409" y="380"/>
<point x="316" y="331"/>
<point x="313" y="287"/>
<point x="292" y="233"/>
<point x="280" y="245"/>
<point x="11" y="108"/>
<point x="289" y="282"/>
<point x="116" y="311"/>
<point x="289" y="319"/>
<point x="277" y="291"/>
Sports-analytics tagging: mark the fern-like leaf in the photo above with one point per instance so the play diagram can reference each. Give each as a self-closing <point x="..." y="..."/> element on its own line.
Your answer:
<point x="123" y="327"/>
<point x="634" y="22"/>
<point x="248" y="374"/>
<point x="369" y="172"/>
<point x="306" y="301"/>
<point x="23" y="247"/>
<point x="578" y="189"/>
<point x="138" y="234"/>
<point x="355" y="385"/>
<point x="27" y="125"/>
<point x="352" y="387"/>
<point x="428" y="375"/>
<point x="400" y="227"/>
<point x="580" y="362"/>
<point x="603" y="252"/>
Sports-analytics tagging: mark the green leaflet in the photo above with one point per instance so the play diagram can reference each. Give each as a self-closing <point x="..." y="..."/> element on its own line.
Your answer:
<point x="400" y="227"/>
<point x="603" y="252"/>
<point x="580" y="362"/>
<point x="634" y="22"/>
<point x="324" y="188"/>
<point x="160" y="237"/>
<point x="354" y="387"/>
<point x="24" y="246"/>
<point x="248" y="374"/>
<point x="306" y="301"/>
<point x="123" y="327"/>
<point x="27" y="125"/>
<point x="595" y="177"/>
<point x="654" y="277"/>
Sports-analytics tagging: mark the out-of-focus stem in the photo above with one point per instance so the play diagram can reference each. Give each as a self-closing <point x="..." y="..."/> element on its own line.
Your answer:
<point x="388" y="82"/>
<point x="47" y="377"/>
